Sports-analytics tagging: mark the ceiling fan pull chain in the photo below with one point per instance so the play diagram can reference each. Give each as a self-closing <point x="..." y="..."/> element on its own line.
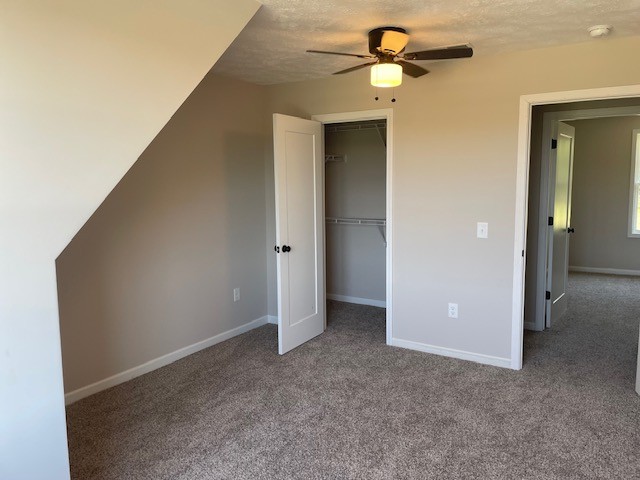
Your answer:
<point x="393" y="96"/>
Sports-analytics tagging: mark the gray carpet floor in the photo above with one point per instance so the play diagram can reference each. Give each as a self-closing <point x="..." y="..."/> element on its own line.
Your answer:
<point x="345" y="405"/>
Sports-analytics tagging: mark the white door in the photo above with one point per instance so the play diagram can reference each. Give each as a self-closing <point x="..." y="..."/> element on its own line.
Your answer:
<point x="299" y="188"/>
<point x="560" y="209"/>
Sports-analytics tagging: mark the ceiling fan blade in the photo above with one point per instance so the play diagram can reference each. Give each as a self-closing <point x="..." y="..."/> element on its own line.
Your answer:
<point x="343" y="54"/>
<point x="458" y="51"/>
<point x="412" y="69"/>
<point x="353" y="69"/>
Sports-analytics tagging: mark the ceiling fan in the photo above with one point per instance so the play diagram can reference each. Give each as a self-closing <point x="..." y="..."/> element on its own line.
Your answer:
<point x="386" y="46"/>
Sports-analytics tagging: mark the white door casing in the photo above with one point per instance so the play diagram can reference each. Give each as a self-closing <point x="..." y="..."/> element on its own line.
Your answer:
<point x="561" y="176"/>
<point x="299" y="194"/>
<point x="527" y="102"/>
<point x="363" y="115"/>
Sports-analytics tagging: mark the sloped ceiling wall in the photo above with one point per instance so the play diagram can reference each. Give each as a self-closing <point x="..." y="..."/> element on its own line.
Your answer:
<point x="84" y="88"/>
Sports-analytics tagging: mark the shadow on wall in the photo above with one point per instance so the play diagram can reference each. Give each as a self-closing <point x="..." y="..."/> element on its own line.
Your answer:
<point x="153" y="270"/>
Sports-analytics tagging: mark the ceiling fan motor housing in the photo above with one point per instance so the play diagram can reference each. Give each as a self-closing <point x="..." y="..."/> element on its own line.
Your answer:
<point x="387" y="40"/>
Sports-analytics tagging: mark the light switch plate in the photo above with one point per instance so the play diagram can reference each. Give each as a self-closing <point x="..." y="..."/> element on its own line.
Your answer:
<point x="483" y="230"/>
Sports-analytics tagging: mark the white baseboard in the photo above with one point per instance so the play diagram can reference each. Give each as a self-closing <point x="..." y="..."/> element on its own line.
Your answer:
<point x="272" y="319"/>
<point x="156" y="363"/>
<point x="450" y="352"/>
<point x="357" y="300"/>
<point x="608" y="271"/>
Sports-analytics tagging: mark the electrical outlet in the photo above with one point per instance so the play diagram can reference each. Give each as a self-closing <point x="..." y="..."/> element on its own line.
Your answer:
<point x="453" y="310"/>
<point x="236" y="294"/>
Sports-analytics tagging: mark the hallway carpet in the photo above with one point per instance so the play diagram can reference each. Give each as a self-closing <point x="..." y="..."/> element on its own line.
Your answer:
<point x="346" y="406"/>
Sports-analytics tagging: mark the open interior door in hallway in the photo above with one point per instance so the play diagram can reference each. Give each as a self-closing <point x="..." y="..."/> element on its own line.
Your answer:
<point x="299" y="189"/>
<point x="560" y="209"/>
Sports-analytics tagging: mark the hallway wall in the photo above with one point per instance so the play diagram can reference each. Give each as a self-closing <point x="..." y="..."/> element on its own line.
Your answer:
<point x="600" y="200"/>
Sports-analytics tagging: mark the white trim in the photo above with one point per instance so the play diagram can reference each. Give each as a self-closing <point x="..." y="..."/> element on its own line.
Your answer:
<point x="159" y="362"/>
<point x="633" y="197"/>
<point x="357" y="300"/>
<point x="272" y="319"/>
<point x="453" y="353"/>
<point x="605" y="271"/>
<point x="386" y="113"/>
<point x="522" y="177"/>
<point x="520" y="242"/>
<point x="361" y="115"/>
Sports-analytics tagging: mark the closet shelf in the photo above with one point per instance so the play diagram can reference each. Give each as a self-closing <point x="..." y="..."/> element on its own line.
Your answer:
<point x="357" y="221"/>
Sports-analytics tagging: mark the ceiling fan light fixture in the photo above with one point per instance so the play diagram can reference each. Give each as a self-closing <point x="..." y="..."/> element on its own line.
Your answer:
<point x="386" y="75"/>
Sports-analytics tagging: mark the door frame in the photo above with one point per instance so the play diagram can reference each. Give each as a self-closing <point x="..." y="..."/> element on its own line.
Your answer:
<point x="527" y="102"/>
<point x="381" y="114"/>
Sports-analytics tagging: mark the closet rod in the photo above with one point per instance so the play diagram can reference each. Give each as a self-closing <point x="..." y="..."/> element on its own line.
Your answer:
<point x="381" y="223"/>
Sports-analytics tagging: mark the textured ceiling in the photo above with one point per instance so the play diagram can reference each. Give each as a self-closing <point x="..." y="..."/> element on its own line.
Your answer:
<point x="271" y="49"/>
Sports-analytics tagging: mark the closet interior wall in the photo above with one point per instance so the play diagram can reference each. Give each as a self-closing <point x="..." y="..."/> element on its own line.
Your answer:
<point x="355" y="178"/>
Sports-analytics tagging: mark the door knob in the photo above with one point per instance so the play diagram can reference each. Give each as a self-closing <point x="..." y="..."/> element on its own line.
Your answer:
<point x="286" y="248"/>
<point x="570" y="230"/>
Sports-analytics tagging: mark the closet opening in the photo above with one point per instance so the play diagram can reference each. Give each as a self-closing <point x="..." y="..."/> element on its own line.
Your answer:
<point x="356" y="227"/>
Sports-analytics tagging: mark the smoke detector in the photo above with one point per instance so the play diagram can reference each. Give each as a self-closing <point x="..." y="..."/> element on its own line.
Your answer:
<point x="599" y="30"/>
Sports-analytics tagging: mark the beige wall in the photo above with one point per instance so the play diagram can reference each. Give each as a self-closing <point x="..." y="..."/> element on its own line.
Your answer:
<point x="454" y="165"/>
<point x="356" y="188"/>
<point x="600" y="200"/>
<point x="154" y="268"/>
<point x="85" y="86"/>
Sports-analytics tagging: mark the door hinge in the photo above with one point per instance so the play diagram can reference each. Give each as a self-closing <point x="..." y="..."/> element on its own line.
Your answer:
<point x="550" y="221"/>
<point x="277" y="249"/>
<point x="547" y="295"/>
<point x="554" y="143"/>
<point x="523" y="253"/>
